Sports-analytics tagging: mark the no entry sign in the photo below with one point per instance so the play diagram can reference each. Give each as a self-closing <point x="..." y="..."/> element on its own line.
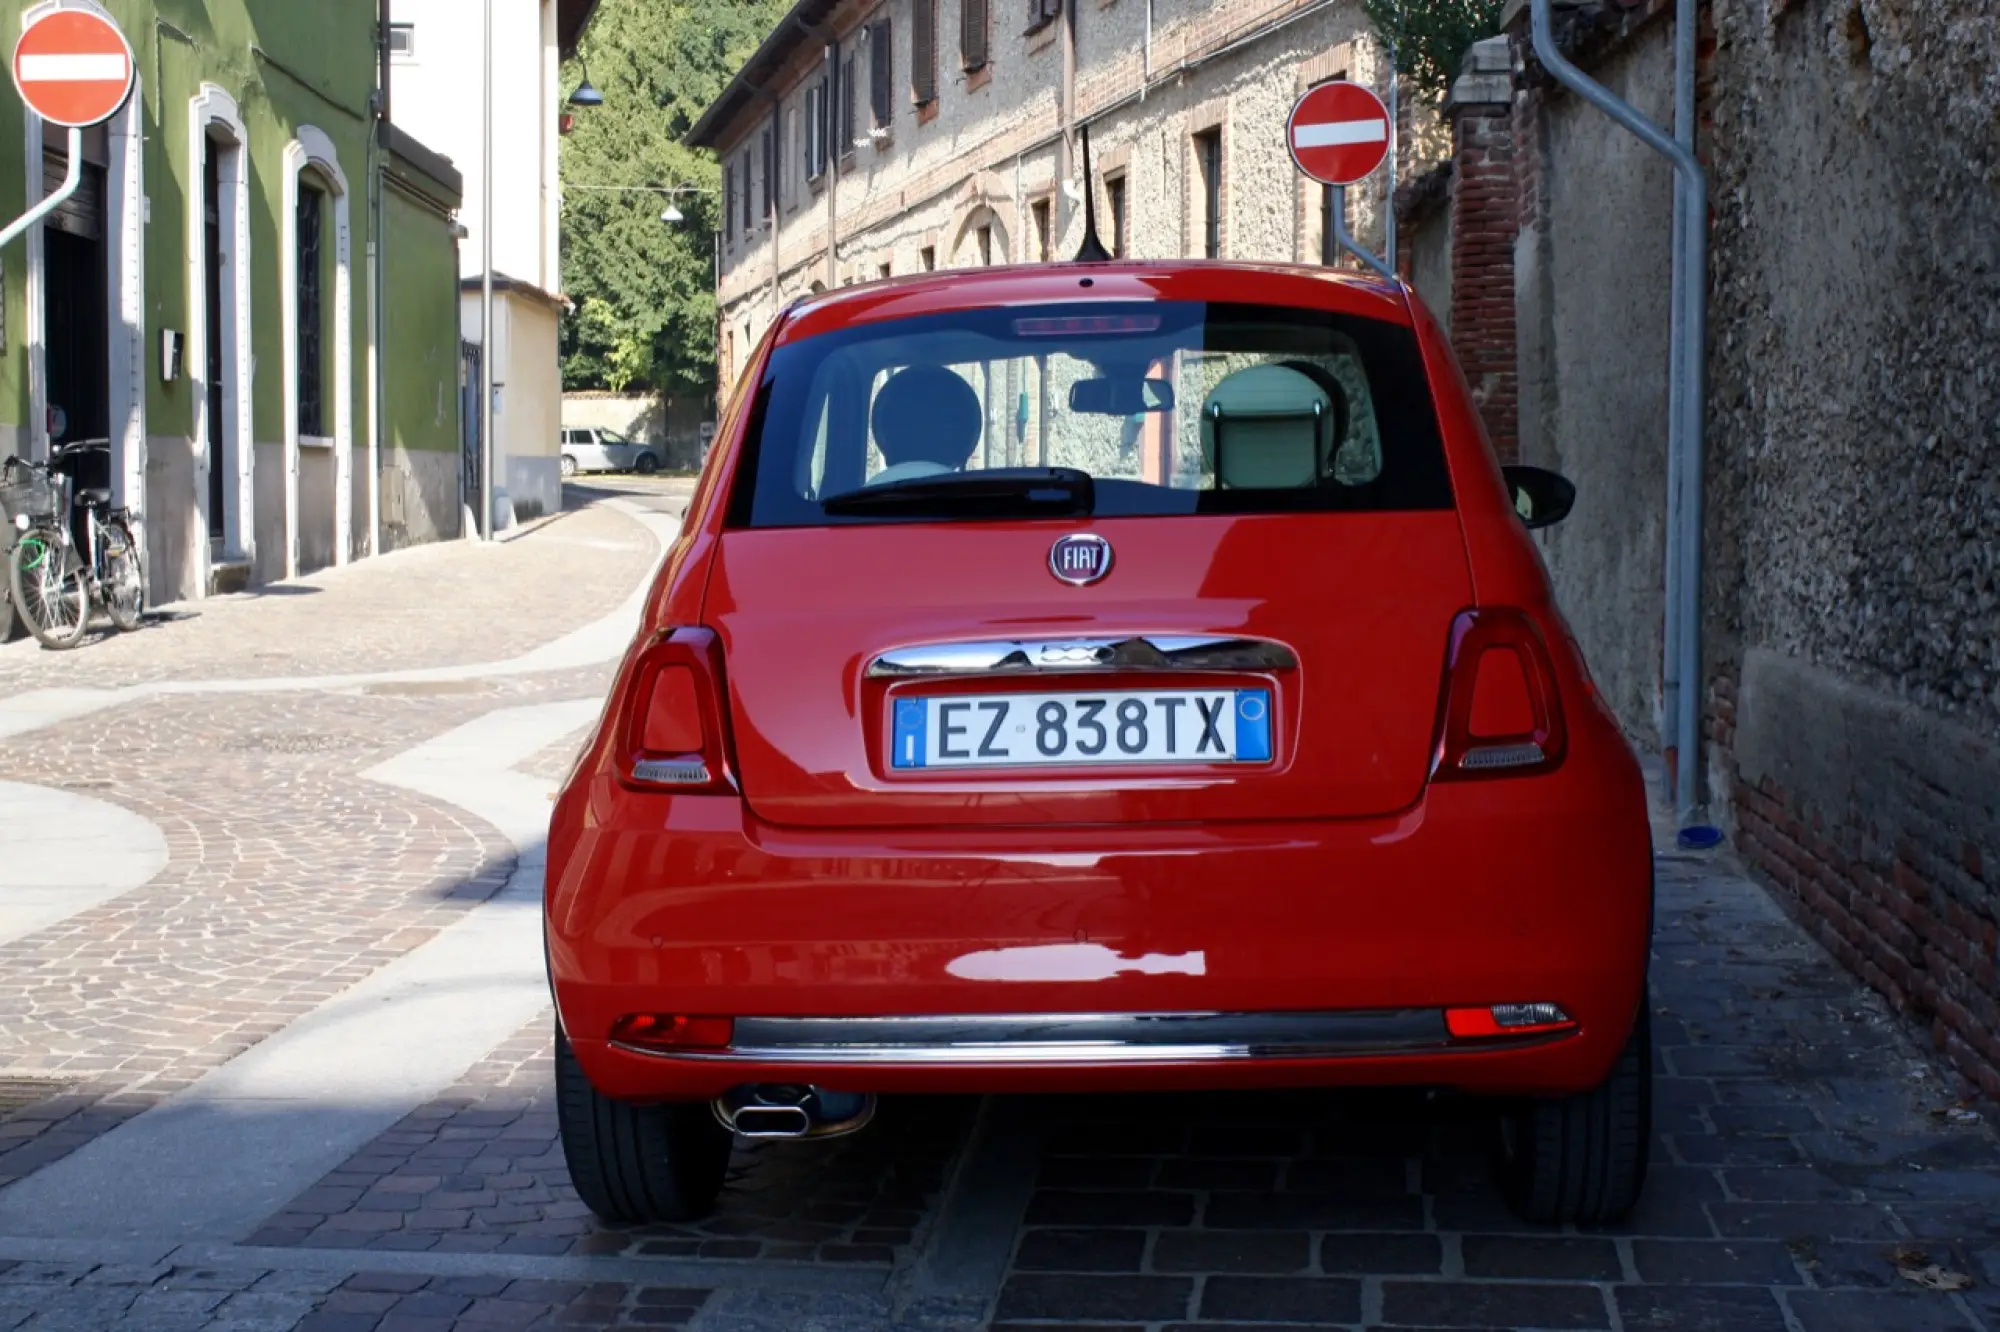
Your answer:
<point x="1338" y="132"/>
<point x="73" y="68"/>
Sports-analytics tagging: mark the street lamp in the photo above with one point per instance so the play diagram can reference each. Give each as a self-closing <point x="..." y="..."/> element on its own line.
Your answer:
<point x="672" y="214"/>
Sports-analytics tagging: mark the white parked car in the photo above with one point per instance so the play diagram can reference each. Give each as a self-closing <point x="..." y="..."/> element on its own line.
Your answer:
<point x="596" y="449"/>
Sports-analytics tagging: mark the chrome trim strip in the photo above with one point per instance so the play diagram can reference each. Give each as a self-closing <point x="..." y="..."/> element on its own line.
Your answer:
<point x="1080" y="1038"/>
<point x="1148" y="652"/>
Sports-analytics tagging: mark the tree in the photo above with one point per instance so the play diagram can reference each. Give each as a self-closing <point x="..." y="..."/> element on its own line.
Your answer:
<point x="1431" y="37"/>
<point x="644" y="289"/>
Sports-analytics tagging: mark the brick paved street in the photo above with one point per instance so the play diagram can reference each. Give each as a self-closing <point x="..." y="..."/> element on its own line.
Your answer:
<point x="205" y="1122"/>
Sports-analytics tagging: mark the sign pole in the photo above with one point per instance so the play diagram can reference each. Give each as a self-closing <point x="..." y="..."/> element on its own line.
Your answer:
<point x="1339" y="133"/>
<point x="71" y="179"/>
<point x="486" y="449"/>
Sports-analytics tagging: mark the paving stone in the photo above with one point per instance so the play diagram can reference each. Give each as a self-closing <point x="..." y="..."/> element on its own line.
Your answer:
<point x="1081" y="1251"/>
<point x="1714" y="1262"/>
<point x="1547" y="1258"/>
<point x="1226" y="1251"/>
<point x="1486" y="1304"/>
<point x="1313" y="1211"/>
<point x="1392" y="1255"/>
<point x="1874" y="1311"/>
<point x="1054" y="1208"/>
<point x="1786" y="1221"/>
<point x="1698" y="1309"/>
<point x="1280" y="1299"/>
<point x="1136" y="1298"/>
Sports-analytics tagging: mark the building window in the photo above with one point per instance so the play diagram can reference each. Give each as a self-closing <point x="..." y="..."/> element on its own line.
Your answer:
<point x="816" y="129"/>
<point x="986" y="245"/>
<point x="312" y="309"/>
<point x="749" y="196"/>
<point x="927" y="258"/>
<point x="1041" y="13"/>
<point x="1114" y="190"/>
<point x="847" y="95"/>
<point x="881" y="75"/>
<point x="728" y="196"/>
<point x="923" y="51"/>
<point x="1208" y="172"/>
<point x="1042" y="213"/>
<point x="882" y="271"/>
<point x="973" y="33"/>
<point x="770" y="169"/>
<point x="403" y="40"/>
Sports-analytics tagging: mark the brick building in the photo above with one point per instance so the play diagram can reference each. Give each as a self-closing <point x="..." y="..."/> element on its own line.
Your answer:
<point x="874" y="137"/>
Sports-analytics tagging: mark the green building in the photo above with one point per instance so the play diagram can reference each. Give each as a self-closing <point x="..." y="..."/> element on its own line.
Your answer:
<point x="254" y="295"/>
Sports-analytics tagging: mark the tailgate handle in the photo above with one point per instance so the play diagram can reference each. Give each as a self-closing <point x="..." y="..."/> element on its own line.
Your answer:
<point x="1153" y="652"/>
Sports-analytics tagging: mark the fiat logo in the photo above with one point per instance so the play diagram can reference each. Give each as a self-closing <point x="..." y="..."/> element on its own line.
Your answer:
<point x="1080" y="558"/>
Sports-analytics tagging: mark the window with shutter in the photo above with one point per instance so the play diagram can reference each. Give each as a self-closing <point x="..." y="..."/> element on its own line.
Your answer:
<point x="847" y="91"/>
<point x="749" y="196"/>
<point x="1041" y="13"/>
<point x="881" y="70"/>
<point x="923" y="51"/>
<point x="972" y="33"/>
<point x="770" y="173"/>
<point x="728" y="195"/>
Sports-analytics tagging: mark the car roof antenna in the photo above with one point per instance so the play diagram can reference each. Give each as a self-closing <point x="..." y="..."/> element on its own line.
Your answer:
<point x="1092" y="250"/>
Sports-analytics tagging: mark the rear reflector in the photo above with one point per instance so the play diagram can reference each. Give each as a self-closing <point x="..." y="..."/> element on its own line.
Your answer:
<point x="673" y="1031"/>
<point x="1506" y="1020"/>
<point x="1501" y="711"/>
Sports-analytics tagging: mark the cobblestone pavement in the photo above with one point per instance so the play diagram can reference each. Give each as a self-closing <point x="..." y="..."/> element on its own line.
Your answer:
<point x="1812" y="1169"/>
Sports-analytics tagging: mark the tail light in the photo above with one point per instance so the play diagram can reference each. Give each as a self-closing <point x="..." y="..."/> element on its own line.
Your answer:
<point x="1503" y="1021"/>
<point x="672" y="1031"/>
<point x="674" y="735"/>
<point x="1501" y="714"/>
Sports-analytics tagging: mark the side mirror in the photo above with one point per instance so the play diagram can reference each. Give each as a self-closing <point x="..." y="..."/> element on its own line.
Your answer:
<point x="1542" y="498"/>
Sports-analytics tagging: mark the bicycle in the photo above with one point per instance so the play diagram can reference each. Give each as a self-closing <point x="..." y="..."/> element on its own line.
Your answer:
<point x="54" y="587"/>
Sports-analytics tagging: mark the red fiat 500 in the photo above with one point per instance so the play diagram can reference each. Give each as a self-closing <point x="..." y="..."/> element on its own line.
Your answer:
<point x="1101" y="677"/>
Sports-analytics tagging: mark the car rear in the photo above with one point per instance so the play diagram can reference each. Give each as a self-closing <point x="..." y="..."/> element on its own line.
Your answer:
<point x="1097" y="683"/>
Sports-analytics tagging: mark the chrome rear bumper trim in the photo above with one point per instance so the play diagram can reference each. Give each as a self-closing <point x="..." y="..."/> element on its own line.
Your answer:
<point x="1081" y="1038"/>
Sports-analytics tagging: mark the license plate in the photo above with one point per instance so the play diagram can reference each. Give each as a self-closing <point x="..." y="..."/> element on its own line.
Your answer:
<point x="1072" y="730"/>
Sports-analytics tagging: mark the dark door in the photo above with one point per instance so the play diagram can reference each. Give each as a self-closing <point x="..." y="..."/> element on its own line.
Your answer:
<point x="73" y="329"/>
<point x="218" y="456"/>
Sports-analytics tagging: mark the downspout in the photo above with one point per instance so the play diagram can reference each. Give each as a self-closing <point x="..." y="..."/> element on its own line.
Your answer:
<point x="1670" y="668"/>
<point x="378" y="286"/>
<point x="1146" y="55"/>
<point x="830" y="117"/>
<point x="1684" y="563"/>
<point x="1067" y="111"/>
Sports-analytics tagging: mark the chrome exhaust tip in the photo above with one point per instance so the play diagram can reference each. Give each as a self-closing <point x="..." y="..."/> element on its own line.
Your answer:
<point x="768" y="1110"/>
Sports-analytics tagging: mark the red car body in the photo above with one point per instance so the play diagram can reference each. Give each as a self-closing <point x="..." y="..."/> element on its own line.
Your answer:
<point x="1360" y="873"/>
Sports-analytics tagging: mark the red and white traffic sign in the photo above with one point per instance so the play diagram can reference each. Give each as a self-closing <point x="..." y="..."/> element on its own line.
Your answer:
<point x="73" y="68"/>
<point x="1338" y="133"/>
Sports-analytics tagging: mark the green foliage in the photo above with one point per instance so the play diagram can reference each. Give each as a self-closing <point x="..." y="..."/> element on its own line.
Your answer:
<point x="644" y="289"/>
<point x="1431" y="37"/>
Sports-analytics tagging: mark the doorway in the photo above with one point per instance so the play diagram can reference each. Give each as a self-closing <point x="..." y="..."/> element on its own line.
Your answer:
<point x="74" y="315"/>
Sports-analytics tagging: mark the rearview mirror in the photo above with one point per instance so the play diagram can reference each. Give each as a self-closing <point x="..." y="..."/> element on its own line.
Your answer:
<point x="1121" y="397"/>
<point x="1542" y="498"/>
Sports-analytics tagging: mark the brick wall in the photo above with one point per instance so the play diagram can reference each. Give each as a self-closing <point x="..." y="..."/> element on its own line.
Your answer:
<point x="1484" y="223"/>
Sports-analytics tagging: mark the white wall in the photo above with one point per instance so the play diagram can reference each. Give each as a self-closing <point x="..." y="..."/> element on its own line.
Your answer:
<point x="436" y="95"/>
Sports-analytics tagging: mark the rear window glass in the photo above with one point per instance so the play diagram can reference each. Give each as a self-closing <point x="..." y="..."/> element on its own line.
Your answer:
<point x="1171" y="407"/>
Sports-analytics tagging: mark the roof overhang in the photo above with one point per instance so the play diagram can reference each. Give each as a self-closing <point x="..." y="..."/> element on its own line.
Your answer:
<point x="749" y="85"/>
<point x="572" y="17"/>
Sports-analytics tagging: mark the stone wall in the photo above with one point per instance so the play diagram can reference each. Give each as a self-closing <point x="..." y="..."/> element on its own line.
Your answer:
<point x="1852" y="576"/>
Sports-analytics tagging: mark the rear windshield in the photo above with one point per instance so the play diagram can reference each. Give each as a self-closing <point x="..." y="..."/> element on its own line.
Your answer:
<point x="1170" y="407"/>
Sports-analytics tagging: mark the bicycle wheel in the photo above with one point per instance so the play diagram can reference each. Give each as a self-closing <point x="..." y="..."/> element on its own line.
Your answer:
<point x="51" y="594"/>
<point x="120" y="582"/>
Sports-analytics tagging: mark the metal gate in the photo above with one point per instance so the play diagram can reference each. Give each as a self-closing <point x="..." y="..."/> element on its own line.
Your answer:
<point x="471" y="455"/>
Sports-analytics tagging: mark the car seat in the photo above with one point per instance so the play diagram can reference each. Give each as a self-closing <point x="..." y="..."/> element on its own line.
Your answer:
<point x="1271" y="427"/>
<point x="926" y="422"/>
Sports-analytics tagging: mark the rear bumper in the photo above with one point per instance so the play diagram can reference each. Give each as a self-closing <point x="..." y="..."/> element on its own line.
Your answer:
<point x="1025" y="959"/>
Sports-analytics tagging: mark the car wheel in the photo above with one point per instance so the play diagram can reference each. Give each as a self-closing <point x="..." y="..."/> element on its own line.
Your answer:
<point x="647" y="464"/>
<point x="1582" y="1158"/>
<point x="637" y="1163"/>
<point x="568" y="467"/>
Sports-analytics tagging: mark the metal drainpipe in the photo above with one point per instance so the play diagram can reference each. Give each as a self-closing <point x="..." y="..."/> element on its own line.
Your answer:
<point x="1693" y="323"/>
<point x="1685" y="33"/>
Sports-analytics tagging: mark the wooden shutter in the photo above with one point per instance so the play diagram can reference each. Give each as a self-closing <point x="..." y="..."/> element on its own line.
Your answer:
<point x="728" y="196"/>
<point x="770" y="171"/>
<point x="847" y="94"/>
<point x="923" y="51"/>
<point x="972" y="32"/>
<point x="880" y="71"/>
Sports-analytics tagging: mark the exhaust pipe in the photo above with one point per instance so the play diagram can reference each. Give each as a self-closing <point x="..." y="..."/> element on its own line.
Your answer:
<point x="778" y="1110"/>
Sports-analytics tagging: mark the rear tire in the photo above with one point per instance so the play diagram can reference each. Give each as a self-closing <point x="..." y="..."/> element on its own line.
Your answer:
<point x="124" y="582"/>
<point x="51" y="595"/>
<point x="646" y="465"/>
<point x="1582" y="1158"/>
<point x="637" y="1163"/>
<point x="568" y="467"/>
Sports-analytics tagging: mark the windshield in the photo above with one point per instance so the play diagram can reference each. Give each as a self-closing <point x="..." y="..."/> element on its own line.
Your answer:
<point x="611" y="437"/>
<point x="1170" y="408"/>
